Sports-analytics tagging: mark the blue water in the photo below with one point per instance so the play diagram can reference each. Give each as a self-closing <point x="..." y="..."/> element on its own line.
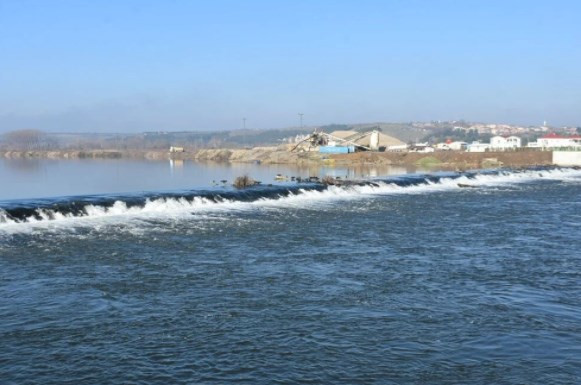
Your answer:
<point x="405" y="280"/>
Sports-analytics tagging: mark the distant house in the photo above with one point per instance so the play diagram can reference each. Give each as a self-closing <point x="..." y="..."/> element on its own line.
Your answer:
<point x="503" y="143"/>
<point x="449" y="145"/>
<point x="458" y="146"/>
<point x="553" y="140"/>
<point x="442" y="147"/>
<point x="478" y="147"/>
<point x="176" y="149"/>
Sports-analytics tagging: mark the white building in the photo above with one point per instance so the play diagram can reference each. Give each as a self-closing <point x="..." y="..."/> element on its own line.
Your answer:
<point x="398" y="148"/>
<point x="553" y="140"/>
<point x="503" y="143"/>
<point x="421" y="147"/>
<point x="442" y="147"/>
<point x="458" y="146"/>
<point x="454" y="146"/>
<point x="478" y="147"/>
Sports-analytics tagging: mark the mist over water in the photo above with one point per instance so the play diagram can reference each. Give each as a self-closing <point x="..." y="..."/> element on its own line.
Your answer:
<point x="403" y="279"/>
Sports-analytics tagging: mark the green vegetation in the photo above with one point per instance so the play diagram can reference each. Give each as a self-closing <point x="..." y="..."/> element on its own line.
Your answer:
<point x="468" y="136"/>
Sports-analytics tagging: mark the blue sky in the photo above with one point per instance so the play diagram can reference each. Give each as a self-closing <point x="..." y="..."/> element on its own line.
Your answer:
<point x="128" y="66"/>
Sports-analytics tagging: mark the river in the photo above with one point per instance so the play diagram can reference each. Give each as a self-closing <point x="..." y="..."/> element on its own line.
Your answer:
<point x="399" y="279"/>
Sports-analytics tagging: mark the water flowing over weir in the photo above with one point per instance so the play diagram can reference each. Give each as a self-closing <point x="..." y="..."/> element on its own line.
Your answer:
<point x="444" y="278"/>
<point x="38" y="211"/>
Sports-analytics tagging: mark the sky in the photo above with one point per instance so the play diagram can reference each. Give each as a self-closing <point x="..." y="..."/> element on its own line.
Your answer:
<point x="151" y="65"/>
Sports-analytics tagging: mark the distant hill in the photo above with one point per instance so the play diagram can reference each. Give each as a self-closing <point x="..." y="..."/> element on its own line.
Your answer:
<point x="21" y="139"/>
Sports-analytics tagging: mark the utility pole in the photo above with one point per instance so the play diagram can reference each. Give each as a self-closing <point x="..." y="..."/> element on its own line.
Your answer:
<point x="301" y="118"/>
<point x="244" y="132"/>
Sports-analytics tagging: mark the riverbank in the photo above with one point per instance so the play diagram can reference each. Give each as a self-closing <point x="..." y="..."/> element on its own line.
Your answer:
<point x="265" y="155"/>
<point x="449" y="159"/>
<point x="281" y="155"/>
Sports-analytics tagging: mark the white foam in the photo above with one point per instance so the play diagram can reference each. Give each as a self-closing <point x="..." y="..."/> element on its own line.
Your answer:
<point x="4" y="218"/>
<point x="160" y="208"/>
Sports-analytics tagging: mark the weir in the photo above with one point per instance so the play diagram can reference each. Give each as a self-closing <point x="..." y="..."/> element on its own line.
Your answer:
<point x="40" y="211"/>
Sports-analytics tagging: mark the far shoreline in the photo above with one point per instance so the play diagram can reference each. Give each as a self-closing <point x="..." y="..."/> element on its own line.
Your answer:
<point x="448" y="160"/>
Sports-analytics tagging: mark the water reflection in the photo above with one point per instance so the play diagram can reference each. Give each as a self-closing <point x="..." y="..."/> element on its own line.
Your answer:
<point x="359" y="171"/>
<point x="173" y="163"/>
<point x="176" y="165"/>
<point x="39" y="178"/>
<point x="25" y="164"/>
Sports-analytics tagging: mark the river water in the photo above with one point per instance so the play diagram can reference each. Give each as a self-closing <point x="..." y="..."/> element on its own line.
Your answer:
<point x="41" y="178"/>
<point x="399" y="279"/>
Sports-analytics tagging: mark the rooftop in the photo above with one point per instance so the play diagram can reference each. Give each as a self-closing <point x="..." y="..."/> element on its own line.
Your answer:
<point x="553" y="135"/>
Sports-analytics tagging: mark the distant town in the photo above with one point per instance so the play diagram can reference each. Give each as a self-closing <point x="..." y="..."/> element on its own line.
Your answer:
<point x="410" y="136"/>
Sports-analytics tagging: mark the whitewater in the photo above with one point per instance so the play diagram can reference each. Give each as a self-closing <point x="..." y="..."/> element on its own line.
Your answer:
<point x="431" y="278"/>
<point x="76" y="211"/>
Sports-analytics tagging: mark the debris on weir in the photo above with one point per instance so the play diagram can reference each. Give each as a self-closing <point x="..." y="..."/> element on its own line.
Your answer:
<point x="245" y="181"/>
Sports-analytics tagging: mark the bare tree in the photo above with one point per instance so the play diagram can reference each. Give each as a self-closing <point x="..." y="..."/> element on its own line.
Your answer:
<point x="28" y="140"/>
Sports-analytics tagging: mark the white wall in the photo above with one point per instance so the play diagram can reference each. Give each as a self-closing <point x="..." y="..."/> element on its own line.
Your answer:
<point x="567" y="158"/>
<point x="478" y="147"/>
<point x="458" y="146"/>
<point x="558" y="142"/>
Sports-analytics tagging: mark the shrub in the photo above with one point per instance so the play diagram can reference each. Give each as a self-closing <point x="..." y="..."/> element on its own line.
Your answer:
<point x="328" y="180"/>
<point x="244" y="181"/>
